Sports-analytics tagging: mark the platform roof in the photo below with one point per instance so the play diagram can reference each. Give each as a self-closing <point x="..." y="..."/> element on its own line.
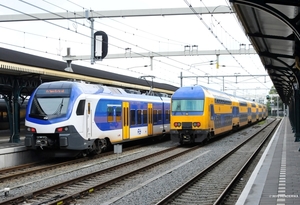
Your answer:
<point x="31" y="70"/>
<point x="272" y="29"/>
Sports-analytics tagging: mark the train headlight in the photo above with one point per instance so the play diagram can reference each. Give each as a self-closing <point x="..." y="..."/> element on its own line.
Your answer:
<point x="31" y="129"/>
<point x="196" y="124"/>
<point x="61" y="129"/>
<point x="177" y="124"/>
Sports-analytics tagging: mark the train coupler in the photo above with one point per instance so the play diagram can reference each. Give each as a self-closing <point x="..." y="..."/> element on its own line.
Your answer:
<point x="41" y="141"/>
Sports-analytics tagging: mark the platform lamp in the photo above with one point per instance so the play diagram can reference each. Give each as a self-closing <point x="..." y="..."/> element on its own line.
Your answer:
<point x="69" y="68"/>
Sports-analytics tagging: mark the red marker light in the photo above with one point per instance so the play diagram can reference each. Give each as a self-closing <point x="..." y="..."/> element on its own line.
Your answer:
<point x="60" y="129"/>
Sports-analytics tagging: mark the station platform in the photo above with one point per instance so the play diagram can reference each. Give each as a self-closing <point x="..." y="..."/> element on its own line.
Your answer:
<point x="5" y="137"/>
<point x="12" y="154"/>
<point x="276" y="178"/>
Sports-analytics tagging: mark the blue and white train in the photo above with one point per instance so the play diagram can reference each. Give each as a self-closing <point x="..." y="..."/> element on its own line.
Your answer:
<point x="66" y="118"/>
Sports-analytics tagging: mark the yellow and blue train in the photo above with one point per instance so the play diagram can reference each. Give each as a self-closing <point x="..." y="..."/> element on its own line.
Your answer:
<point x="199" y="114"/>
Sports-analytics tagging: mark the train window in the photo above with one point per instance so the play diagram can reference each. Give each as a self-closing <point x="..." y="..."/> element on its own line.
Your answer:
<point x="243" y="104"/>
<point x="154" y="116"/>
<point x="80" y="107"/>
<point x="110" y="114"/>
<point x="132" y="117"/>
<point x="223" y="101"/>
<point x="118" y="114"/>
<point x="3" y="116"/>
<point x="187" y="105"/>
<point x="159" y="115"/>
<point x="167" y="114"/>
<point x="235" y="111"/>
<point x="49" y="107"/>
<point x="145" y="116"/>
<point x="139" y="117"/>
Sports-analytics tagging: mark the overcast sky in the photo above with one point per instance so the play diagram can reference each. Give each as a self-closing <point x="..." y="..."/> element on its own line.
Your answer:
<point x="143" y="34"/>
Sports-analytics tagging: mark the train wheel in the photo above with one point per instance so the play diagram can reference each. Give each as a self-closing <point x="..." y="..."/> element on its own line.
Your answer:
<point x="97" y="147"/>
<point x="105" y="144"/>
<point x="208" y="138"/>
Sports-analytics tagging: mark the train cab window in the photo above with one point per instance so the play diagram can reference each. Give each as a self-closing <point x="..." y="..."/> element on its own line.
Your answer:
<point x="139" y="117"/>
<point x="155" y="117"/>
<point x="80" y="108"/>
<point x="50" y="103"/>
<point x="49" y="107"/>
<point x="132" y="117"/>
<point x="145" y="116"/>
<point x="187" y="105"/>
<point x="159" y="115"/>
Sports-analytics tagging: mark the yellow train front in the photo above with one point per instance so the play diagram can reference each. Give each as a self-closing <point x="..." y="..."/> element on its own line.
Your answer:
<point x="199" y="113"/>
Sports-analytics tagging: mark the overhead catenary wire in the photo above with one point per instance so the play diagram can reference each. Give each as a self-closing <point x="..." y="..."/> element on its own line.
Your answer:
<point x="89" y="36"/>
<point x="180" y="64"/>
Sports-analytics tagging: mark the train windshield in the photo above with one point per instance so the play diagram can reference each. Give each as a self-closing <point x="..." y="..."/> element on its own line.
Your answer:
<point x="187" y="105"/>
<point x="49" y="105"/>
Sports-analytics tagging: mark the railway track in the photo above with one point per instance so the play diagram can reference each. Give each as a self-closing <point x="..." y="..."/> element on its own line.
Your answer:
<point x="16" y="172"/>
<point x="67" y="191"/>
<point x="213" y="184"/>
<point x="116" y="177"/>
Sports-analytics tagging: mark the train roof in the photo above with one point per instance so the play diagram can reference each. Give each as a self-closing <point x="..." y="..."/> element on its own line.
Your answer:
<point x="92" y="89"/>
<point x="197" y="91"/>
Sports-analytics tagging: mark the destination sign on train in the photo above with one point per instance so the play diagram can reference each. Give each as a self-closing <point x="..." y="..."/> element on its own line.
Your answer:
<point x="53" y="91"/>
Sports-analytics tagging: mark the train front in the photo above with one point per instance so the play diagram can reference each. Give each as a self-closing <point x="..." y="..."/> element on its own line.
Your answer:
<point x="189" y="115"/>
<point x="48" y="120"/>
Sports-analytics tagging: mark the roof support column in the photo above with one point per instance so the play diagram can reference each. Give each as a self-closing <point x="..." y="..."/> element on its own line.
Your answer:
<point x="15" y="122"/>
<point x="297" y="115"/>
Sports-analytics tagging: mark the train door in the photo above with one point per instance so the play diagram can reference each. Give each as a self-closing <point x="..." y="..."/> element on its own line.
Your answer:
<point x="125" y="121"/>
<point x="212" y="116"/>
<point x="89" y="121"/>
<point x="80" y="119"/>
<point x="150" y="119"/>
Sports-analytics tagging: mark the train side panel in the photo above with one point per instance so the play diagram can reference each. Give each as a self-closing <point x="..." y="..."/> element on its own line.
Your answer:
<point x="222" y="116"/>
<point x="142" y="118"/>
